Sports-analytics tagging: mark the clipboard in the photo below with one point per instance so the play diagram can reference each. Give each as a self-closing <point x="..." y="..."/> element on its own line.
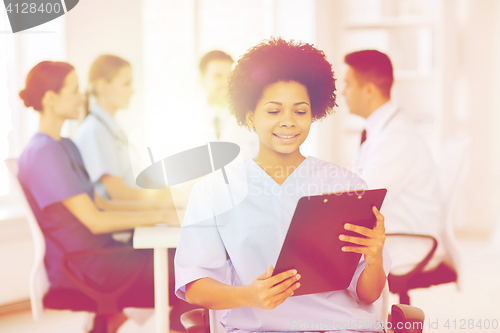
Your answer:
<point x="312" y="244"/>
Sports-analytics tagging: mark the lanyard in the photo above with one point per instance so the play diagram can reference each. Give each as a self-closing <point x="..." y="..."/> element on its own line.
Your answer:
<point x="113" y="133"/>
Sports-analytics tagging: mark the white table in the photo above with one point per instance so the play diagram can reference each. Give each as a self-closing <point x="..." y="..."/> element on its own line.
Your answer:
<point x="160" y="238"/>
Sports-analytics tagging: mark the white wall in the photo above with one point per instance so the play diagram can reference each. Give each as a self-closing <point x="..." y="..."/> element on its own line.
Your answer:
<point x="329" y="21"/>
<point x="471" y="60"/>
<point x="96" y="27"/>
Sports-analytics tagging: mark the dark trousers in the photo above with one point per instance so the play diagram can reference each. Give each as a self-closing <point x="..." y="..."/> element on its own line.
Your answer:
<point x="141" y="294"/>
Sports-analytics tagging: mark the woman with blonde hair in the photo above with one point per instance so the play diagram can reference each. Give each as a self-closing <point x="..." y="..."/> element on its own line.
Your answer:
<point x="103" y="144"/>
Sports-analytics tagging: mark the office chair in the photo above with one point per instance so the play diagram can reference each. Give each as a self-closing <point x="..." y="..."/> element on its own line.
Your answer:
<point x="84" y="297"/>
<point x="451" y="174"/>
<point x="410" y="317"/>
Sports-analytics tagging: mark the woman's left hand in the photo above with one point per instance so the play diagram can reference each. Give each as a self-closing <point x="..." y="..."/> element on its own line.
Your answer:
<point x="372" y="245"/>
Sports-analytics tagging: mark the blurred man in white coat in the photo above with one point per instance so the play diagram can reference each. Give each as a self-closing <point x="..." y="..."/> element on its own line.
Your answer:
<point x="216" y="122"/>
<point x="393" y="155"/>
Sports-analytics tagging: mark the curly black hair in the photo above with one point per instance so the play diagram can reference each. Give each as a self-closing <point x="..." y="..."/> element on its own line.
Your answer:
<point x="276" y="60"/>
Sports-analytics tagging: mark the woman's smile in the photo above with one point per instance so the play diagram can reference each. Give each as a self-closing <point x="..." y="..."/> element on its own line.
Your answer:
<point x="282" y="118"/>
<point x="286" y="137"/>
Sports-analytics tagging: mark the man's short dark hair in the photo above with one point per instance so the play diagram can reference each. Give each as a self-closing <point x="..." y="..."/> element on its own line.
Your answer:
<point x="372" y="66"/>
<point x="212" y="56"/>
<point x="279" y="60"/>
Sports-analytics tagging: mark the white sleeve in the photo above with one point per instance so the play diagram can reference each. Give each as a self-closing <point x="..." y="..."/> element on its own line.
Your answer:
<point x="201" y="252"/>
<point x="99" y="151"/>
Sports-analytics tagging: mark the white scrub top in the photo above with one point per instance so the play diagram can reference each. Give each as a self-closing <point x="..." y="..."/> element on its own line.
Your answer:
<point x="252" y="234"/>
<point x="104" y="149"/>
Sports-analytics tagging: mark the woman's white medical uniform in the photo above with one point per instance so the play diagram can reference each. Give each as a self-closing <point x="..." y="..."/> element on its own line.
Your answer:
<point x="246" y="237"/>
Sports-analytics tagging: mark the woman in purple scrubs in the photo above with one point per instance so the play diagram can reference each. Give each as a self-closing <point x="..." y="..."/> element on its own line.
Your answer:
<point x="71" y="216"/>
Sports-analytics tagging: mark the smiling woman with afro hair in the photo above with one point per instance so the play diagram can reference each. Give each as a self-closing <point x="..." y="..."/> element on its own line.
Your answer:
<point x="278" y="60"/>
<point x="226" y="253"/>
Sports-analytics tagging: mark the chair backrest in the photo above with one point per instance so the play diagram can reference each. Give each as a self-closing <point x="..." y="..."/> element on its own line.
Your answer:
<point x="381" y="307"/>
<point x="454" y="156"/>
<point x="39" y="282"/>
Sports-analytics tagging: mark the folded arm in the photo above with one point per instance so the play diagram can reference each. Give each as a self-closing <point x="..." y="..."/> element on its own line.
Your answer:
<point x="84" y="209"/>
<point x="131" y="205"/>
<point x="118" y="190"/>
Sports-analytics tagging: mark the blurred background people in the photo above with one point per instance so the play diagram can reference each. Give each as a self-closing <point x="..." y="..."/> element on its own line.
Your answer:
<point x="215" y="68"/>
<point x="203" y="117"/>
<point x="71" y="215"/>
<point x="393" y="155"/>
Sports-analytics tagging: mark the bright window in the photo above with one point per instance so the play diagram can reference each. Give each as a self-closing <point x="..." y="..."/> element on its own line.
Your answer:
<point x="5" y="111"/>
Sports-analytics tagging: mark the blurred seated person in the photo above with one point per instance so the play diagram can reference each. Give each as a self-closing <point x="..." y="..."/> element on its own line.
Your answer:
<point x="216" y="123"/>
<point x="393" y="155"/>
<point x="72" y="216"/>
<point x="102" y="143"/>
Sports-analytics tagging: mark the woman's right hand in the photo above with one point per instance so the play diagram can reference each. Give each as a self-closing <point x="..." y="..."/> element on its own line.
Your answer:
<point x="268" y="291"/>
